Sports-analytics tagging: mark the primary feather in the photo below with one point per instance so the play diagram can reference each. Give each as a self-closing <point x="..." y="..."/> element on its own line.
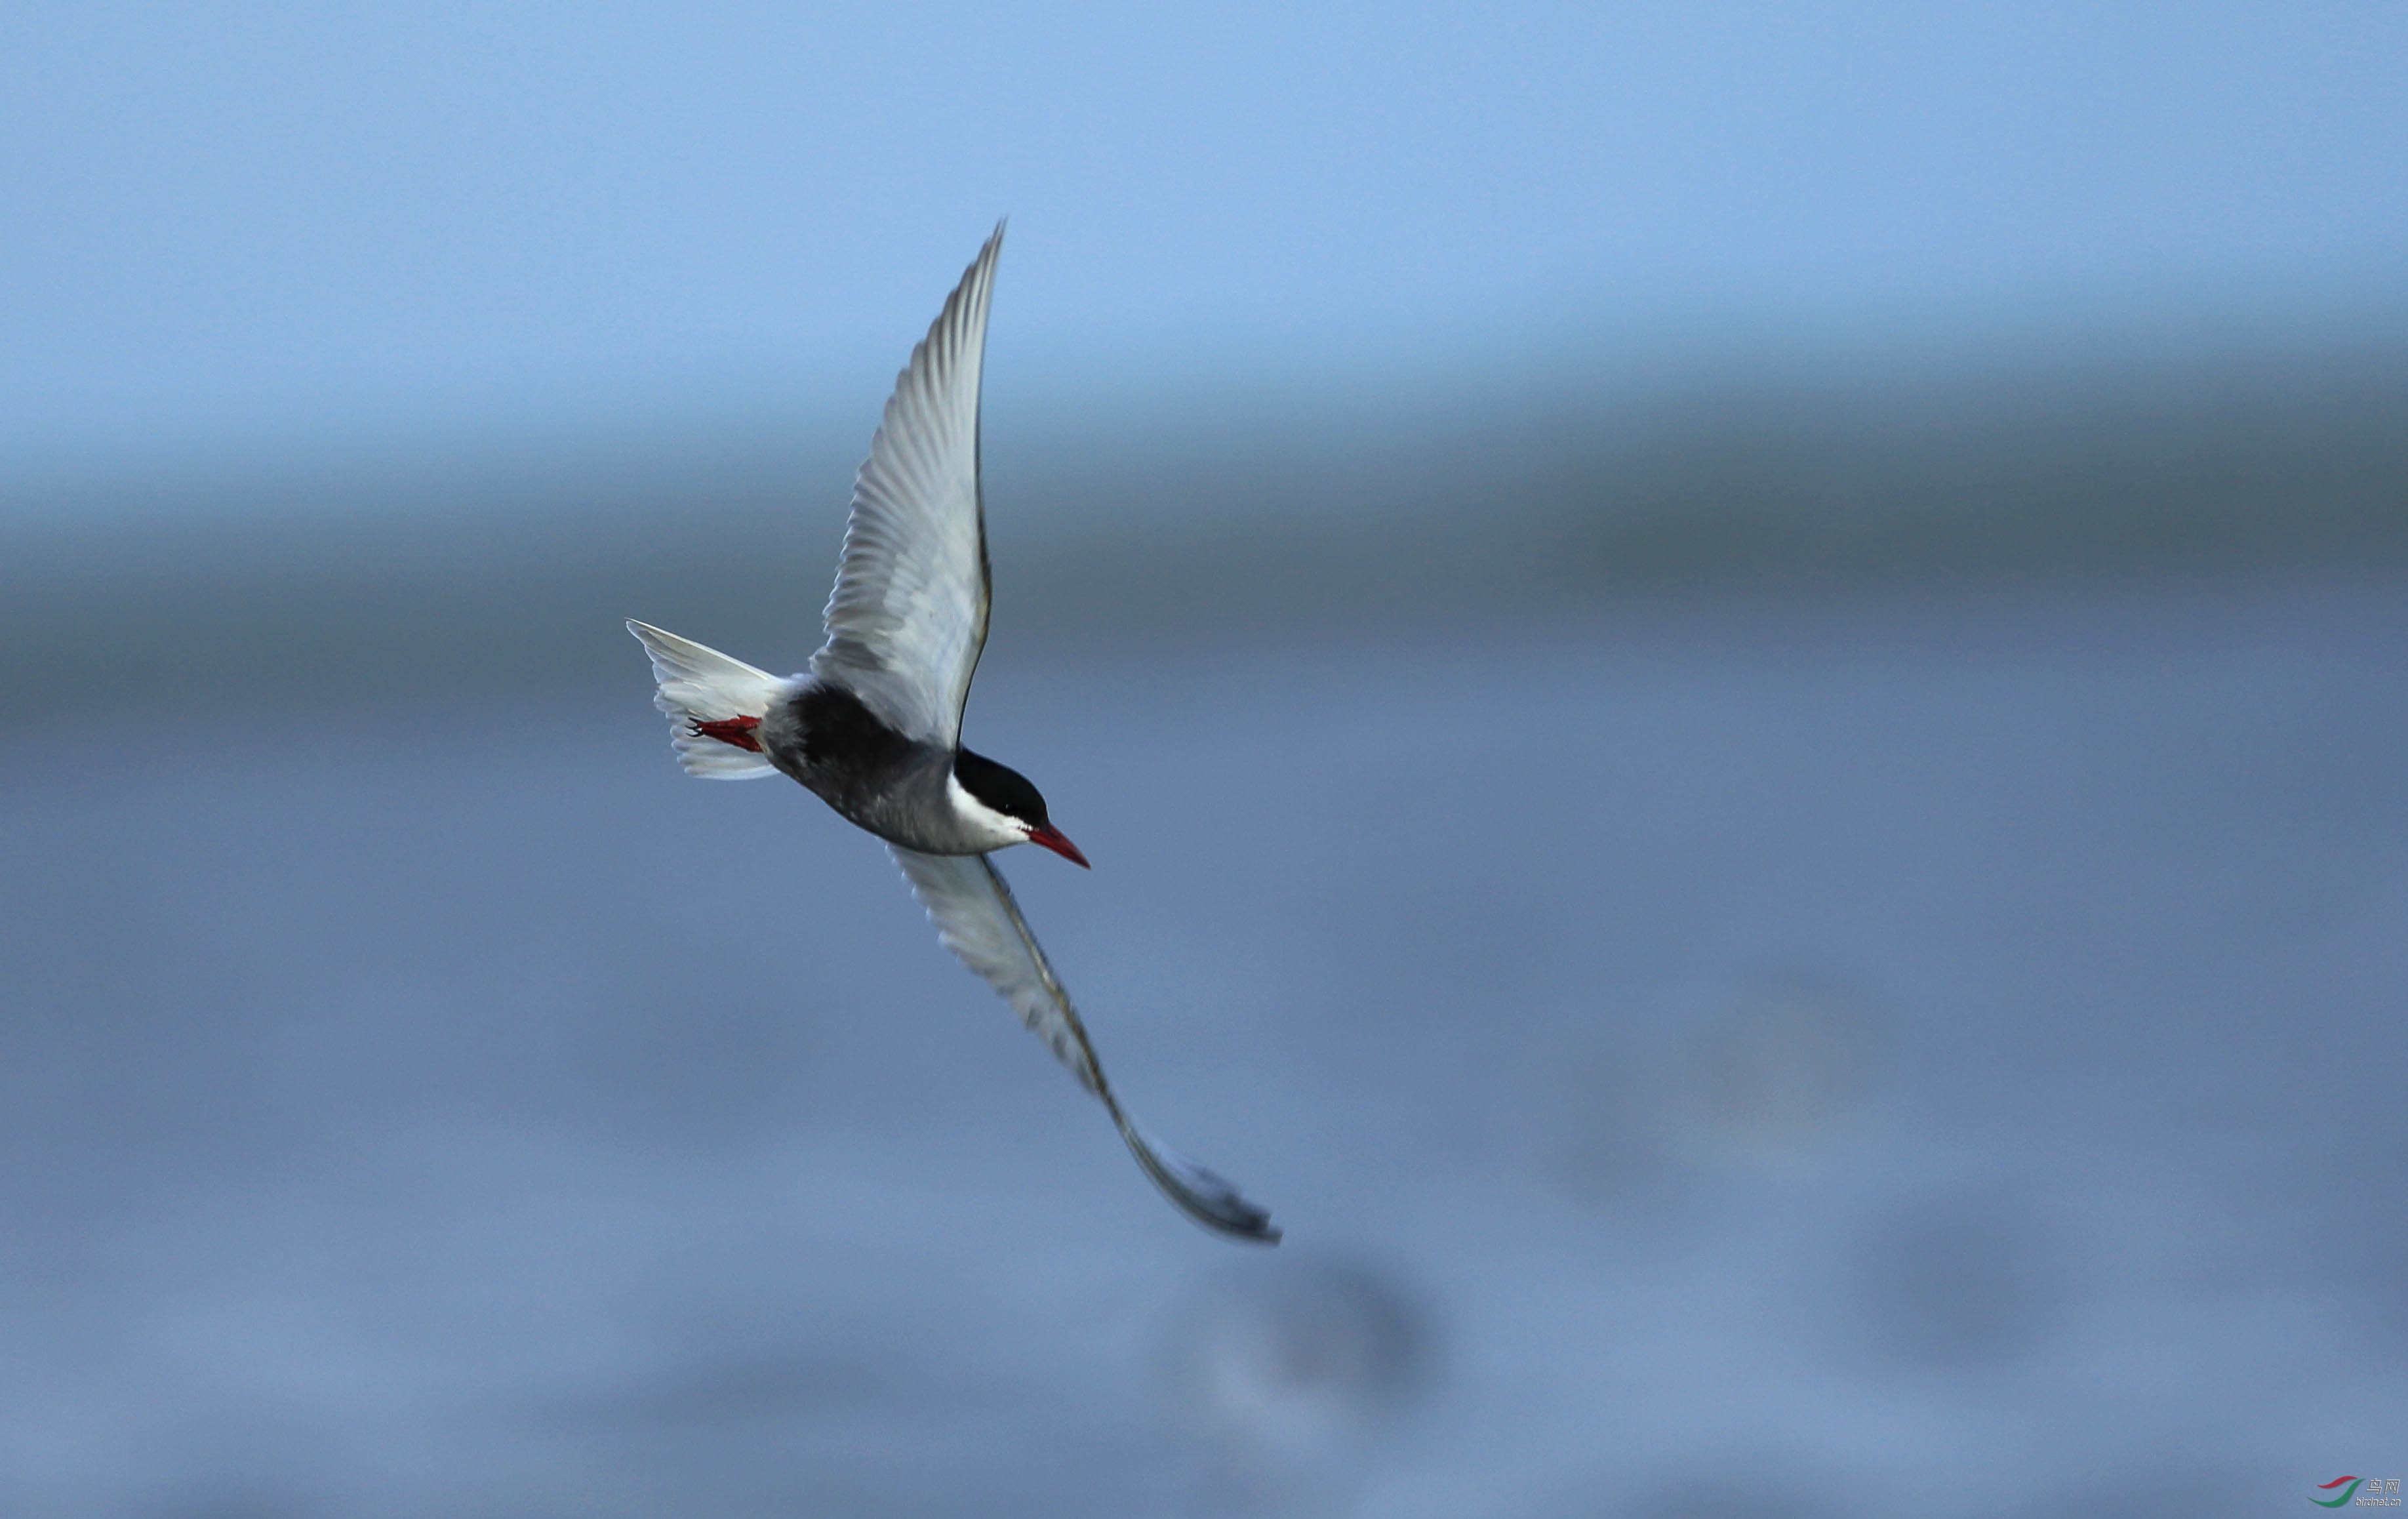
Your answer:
<point x="907" y="616"/>
<point x="977" y="918"/>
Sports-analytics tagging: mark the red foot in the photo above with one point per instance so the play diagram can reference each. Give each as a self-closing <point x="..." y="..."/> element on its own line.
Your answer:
<point x="734" y="730"/>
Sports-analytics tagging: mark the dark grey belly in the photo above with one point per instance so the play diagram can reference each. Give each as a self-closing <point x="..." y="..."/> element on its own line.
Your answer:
<point x="874" y="777"/>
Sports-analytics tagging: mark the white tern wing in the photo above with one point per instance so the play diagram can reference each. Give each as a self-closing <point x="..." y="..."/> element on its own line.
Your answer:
<point x="907" y="616"/>
<point x="977" y="918"/>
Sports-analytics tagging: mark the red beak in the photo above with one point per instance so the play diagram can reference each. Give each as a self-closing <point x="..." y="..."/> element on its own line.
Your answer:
<point x="1052" y="838"/>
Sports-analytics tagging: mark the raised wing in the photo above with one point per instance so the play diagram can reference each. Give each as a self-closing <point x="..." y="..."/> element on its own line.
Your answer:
<point x="907" y="616"/>
<point x="977" y="918"/>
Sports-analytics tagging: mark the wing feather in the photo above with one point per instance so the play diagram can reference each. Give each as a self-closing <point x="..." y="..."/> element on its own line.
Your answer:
<point x="908" y="617"/>
<point x="977" y="918"/>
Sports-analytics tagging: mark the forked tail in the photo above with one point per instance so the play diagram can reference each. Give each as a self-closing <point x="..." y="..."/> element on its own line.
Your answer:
<point x="712" y="702"/>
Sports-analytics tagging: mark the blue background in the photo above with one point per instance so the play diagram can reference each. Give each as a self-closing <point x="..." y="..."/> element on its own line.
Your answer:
<point x="1735" y="673"/>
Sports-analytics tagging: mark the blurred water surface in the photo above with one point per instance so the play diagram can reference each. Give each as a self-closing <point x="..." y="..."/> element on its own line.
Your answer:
<point x="1735" y="677"/>
<point x="1928" y="1053"/>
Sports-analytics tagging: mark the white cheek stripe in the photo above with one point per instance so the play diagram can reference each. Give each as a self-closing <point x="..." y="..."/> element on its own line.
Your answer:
<point x="982" y="817"/>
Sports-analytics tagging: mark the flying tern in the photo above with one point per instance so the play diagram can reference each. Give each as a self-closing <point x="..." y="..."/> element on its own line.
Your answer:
<point x="874" y="729"/>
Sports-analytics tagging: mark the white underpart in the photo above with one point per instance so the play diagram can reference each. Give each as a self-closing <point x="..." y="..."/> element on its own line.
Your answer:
<point x="703" y="686"/>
